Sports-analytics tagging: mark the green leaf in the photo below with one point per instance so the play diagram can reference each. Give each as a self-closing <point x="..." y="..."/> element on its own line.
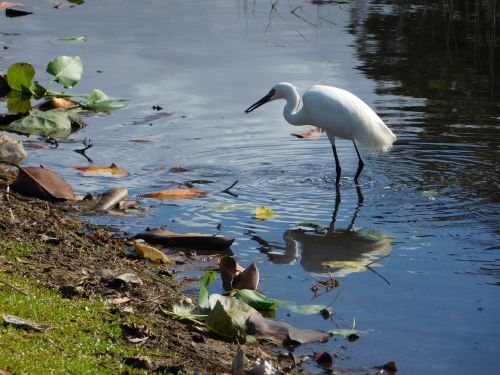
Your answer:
<point x="257" y="300"/>
<point x="74" y="38"/>
<point x="67" y="70"/>
<point x="97" y="100"/>
<point x="18" y="102"/>
<point x="306" y="309"/>
<point x="20" y="75"/>
<point x="77" y="2"/>
<point x="206" y="280"/>
<point x="38" y="90"/>
<point x="228" y="317"/>
<point x="55" y="122"/>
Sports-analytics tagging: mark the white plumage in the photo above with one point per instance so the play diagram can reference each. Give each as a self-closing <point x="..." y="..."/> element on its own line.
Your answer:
<point x="339" y="112"/>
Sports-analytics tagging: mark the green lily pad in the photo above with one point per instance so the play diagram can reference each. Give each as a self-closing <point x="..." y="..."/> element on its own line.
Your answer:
<point x="56" y="123"/>
<point x="97" y="100"/>
<point x="20" y="75"/>
<point x="66" y="69"/>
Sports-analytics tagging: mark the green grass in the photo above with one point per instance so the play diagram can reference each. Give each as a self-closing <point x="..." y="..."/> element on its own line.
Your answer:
<point x="86" y="338"/>
<point x="16" y="249"/>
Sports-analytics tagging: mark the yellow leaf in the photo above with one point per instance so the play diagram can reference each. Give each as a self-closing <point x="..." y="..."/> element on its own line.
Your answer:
<point x="150" y="252"/>
<point x="263" y="213"/>
<point x="176" y="194"/>
<point x="98" y="170"/>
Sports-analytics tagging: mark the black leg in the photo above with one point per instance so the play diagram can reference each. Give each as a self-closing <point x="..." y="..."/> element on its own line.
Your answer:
<point x="360" y="163"/>
<point x="338" y="170"/>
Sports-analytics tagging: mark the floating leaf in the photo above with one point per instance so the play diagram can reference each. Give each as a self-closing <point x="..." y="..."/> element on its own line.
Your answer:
<point x="56" y="123"/>
<point x="20" y="75"/>
<point x="98" y="170"/>
<point x="206" y="280"/>
<point x="66" y="69"/>
<point x="62" y="103"/>
<point x="226" y="207"/>
<point x="151" y="253"/>
<point x="75" y="38"/>
<point x="305" y="309"/>
<point x="97" y="100"/>
<point x="18" y="102"/>
<point x="196" y="241"/>
<point x="181" y="193"/>
<point x="263" y="213"/>
<point x="352" y="264"/>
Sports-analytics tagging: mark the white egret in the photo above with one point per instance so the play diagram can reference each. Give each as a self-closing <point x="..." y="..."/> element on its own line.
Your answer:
<point x="339" y="112"/>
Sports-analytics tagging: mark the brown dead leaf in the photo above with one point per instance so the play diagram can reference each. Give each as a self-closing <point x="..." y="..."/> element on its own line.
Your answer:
<point x="42" y="183"/>
<point x="8" y="4"/>
<point x="235" y="276"/>
<point x="119" y="301"/>
<point x="281" y="332"/>
<point x="62" y="103"/>
<point x="97" y="170"/>
<point x="176" y="194"/>
<point x="196" y="241"/>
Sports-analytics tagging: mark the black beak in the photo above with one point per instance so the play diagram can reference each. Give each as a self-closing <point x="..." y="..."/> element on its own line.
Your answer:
<point x="262" y="101"/>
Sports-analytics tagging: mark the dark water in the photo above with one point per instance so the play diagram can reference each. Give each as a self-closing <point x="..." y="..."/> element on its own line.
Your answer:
<point x="429" y="208"/>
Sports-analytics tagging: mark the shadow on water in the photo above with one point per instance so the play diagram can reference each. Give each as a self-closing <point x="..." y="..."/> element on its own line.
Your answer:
<point x="336" y="251"/>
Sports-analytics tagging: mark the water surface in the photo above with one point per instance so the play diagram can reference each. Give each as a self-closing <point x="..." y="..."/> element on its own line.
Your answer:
<point x="428" y="209"/>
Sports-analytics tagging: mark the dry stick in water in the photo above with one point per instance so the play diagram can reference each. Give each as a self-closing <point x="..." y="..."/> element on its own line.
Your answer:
<point x="227" y="190"/>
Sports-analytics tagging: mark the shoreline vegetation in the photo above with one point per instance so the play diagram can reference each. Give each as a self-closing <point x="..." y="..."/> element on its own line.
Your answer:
<point x="59" y="273"/>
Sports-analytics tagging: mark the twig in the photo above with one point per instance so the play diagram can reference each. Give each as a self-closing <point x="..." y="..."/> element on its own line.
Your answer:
<point x="82" y="152"/>
<point x="227" y="190"/>
<point x="13" y="287"/>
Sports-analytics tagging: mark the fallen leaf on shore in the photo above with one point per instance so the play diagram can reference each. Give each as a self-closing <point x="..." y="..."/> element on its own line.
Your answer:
<point x="97" y="170"/>
<point x="282" y="333"/>
<point x="111" y="198"/>
<point x="236" y="277"/>
<point x="149" y="252"/>
<point x="120" y="300"/>
<point x="24" y="324"/>
<point x="42" y="183"/>
<point x="176" y="194"/>
<point x="196" y="241"/>
<point x="263" y="213"/>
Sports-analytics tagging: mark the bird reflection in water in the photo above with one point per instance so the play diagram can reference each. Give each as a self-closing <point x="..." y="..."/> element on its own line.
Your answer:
<point x="337" y="251"/>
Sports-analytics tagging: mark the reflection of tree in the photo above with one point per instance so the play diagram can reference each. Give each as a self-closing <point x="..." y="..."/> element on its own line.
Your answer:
<point x="437" y="50"/>
<point x="446" y="52"/>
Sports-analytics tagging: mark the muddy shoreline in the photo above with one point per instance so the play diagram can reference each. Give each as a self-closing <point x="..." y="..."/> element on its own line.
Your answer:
<point x="80" y="260"/>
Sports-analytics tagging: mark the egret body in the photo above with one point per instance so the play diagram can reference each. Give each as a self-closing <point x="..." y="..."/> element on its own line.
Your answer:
<point x="338" y="112"/>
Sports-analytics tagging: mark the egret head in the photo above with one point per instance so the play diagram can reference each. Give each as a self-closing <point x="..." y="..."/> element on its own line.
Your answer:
<point x="279" y="91"/>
